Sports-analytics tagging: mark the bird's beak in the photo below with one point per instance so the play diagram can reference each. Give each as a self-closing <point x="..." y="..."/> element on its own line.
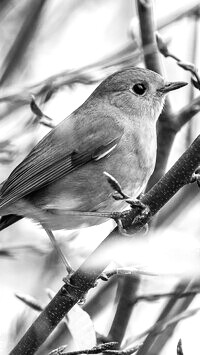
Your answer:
<point x="171" y="86"/>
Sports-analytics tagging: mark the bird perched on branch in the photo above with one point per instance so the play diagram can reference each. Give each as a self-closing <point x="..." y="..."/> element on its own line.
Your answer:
<point x="61" y="184"/>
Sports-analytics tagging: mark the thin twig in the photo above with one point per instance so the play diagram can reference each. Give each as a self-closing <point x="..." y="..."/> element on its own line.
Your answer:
<point x="162" y="325"/>
<point x="173" y="307"/>
<point x="90" y="74"/>
<point x="30" y="301"/>
<point x="163" y="48"/>
<point x="96" y="350"/>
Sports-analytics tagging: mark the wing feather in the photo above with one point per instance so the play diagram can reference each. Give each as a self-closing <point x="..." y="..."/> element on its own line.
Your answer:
<point x="29" y="177"/>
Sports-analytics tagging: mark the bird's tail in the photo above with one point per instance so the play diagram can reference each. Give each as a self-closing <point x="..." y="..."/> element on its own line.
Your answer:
<point x="6" y="221"/>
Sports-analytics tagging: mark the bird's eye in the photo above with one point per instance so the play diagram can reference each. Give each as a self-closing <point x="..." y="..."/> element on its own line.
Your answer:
<point x="139" y="89"/>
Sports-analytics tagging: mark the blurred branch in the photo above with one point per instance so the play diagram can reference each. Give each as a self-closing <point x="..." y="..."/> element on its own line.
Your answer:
<point x="40" y="116"/>
<point x="189" y="11"/>
<point x="194" y="49"/>
<point x="163" y="48"/>
<point x="179" y="308"/>
<point x="90" y="74"/>
<point x="157" y="296"/>
<point x="125" y="272"/>
<point x="162" y="325"/>
<point x="186" y="114"/>
<point x="85" y="276"/>
<point x="153" y="343"/>
<point x="152" y="62"/>
<point x="95" y="350"/>
<point x="23" y="39"/>
<point x="30" y="301"/>
<point x="102" y="294"/>
<point x="124" y="309"/>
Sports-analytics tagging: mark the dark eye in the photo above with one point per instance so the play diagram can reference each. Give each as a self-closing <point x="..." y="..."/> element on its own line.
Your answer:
<point x="139" y="89"/>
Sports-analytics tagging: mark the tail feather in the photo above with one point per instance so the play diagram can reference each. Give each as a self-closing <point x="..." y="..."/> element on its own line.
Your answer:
<point x="8" y="220"/>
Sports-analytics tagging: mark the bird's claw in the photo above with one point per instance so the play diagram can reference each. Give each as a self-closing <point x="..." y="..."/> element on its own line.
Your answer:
<point x="145" y="210"/>
<point x="138" y="220"/>
<point x="67" y="281"/>
<point x="196" y="177"/>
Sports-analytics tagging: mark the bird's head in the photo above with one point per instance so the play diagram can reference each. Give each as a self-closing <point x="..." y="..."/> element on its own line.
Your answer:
<point x="137" y="91"/>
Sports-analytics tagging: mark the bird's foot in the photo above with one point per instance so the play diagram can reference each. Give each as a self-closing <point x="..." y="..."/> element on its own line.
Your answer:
<point x="65" y="290"/>
<point x="68" y="282"/>
<point x="140" y="220"/>
<point x="196" y="177"/>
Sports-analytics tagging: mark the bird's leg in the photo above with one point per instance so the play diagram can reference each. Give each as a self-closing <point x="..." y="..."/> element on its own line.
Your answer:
<point x="59" y="251"/>
<point x="93" y="214"/>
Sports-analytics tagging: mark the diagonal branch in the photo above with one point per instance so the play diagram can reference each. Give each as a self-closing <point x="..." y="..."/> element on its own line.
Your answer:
<point x="85" y="277"/>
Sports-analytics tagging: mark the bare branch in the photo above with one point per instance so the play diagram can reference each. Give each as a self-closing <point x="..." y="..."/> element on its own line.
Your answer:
<point x="163" y="48"/>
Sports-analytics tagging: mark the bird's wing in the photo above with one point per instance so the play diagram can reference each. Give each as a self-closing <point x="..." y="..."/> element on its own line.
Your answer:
<point x="46" y="164"/>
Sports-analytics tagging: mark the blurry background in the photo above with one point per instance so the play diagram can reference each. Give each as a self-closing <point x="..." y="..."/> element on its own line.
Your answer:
<point x="87" y="40"/>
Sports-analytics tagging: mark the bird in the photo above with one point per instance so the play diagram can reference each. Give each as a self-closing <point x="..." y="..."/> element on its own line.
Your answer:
<point x="61" y="183"/>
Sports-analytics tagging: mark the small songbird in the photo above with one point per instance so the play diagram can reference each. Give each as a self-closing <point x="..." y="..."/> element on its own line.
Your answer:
<point x="114" y="130"/>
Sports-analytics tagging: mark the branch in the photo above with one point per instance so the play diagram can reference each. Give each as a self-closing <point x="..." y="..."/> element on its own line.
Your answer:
<point x="189" y="11"/>
<point x="172" y="308"/>
<point x="147" y="29"/>
<point x="85" y="277"/>
<point x="163" y="48"/>
<point x="124" y="308"/>
<point x="23" y="39"/>
<point x="87" y="75"/>
<point x="152" y="62"/>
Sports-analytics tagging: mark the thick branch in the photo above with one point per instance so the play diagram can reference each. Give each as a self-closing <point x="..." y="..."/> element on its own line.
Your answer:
<point x="84" y="278"/>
